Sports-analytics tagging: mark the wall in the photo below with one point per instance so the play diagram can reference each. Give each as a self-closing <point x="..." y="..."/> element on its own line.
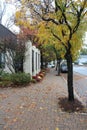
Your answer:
<point x="31" y="62"/>
<point x="32" y="59"/>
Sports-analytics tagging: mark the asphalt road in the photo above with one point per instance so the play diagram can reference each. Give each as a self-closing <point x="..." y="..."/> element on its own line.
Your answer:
<point x="80" y="69"/>
<point x="80" y="82"/>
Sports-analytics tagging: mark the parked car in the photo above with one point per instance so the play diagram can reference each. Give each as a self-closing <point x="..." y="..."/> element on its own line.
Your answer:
<point x="50" y="65"/>
<point x="64" y="67"/>
<point x="78" y="63"/>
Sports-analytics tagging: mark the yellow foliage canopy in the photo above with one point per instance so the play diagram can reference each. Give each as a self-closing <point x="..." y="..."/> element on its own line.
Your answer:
<point x="45" y="34"/>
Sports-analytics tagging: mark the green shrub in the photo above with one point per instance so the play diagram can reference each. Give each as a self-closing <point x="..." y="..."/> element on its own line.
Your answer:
<point x="20" y="78"/>
<point x="6" y="77"/>
<point x="5" y="84"/>
<point x="0" y="71"/>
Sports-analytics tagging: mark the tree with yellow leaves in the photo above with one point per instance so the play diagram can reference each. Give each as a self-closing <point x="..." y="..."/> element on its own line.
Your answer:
<point x="65" y="21"/>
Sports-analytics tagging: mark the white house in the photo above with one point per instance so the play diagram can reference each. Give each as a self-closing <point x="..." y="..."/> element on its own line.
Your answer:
<point x="32" y="55"/>
<point x="31" y="62"/>
<point x="6" y="36"/>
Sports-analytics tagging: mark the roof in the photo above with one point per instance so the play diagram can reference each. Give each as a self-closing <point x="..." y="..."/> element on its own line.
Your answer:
<point x="6" y="33"/>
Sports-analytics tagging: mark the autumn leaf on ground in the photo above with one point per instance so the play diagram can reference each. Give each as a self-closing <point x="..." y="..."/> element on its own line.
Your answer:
<point x="41" y="108"/>
<point x="6" y="118"/>
<point x="8" y="110"/>
<point x="15" y="119"/>
<point x="2" y="96"/>
<point x="47" y="129"/>
<point x="21" y="107"/>
<point x="32" y="105"/>
<point x="57" y="129"/>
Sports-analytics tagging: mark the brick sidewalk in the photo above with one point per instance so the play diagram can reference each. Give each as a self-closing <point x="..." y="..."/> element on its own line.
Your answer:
<point x="35" y="107"/>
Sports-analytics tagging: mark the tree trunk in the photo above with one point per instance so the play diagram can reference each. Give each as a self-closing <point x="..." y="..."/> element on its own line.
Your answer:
<point x="70" y="78"/>
<point x="42" y="66"/>
<point x="58" y="67"/>
<point x="45" y="64"/>
<point x="22" y="65"/>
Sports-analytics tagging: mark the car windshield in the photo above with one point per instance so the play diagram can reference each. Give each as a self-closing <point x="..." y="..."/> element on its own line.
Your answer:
<point x="64" y="63"/>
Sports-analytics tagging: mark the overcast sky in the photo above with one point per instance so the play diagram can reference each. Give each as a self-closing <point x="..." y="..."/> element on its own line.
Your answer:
<point x="9" y="11"/>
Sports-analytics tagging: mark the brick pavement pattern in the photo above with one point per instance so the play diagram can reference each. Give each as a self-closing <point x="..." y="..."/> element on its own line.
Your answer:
<point x="35" y="107"/>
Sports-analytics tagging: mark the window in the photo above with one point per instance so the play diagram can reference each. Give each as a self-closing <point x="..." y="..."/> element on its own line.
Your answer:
<point x="2" y="60"/>
<point x="32" y="61"/>
<point x="36" y="60"/>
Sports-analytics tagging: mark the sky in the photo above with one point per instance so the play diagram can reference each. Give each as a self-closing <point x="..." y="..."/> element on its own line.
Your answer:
<point x="9" y="11"/>
<point x="85" y="40"/>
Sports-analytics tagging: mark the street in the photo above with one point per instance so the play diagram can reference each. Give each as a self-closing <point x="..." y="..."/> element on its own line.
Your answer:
<point x="80" y="69"/>
<point x="80" y="82"/>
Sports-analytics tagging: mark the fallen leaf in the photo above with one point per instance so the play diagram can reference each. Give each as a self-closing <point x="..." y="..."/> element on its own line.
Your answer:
<point x="47" y="129"/>
<point x="41" y="108"/>
<point x="21" y="107"/>
<point x="6" y="118"/>
<point x="57" y="129"/>
<point x="32" y="105"/>
<point x="15" y="119"/>
<point x="8" y="110"/>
